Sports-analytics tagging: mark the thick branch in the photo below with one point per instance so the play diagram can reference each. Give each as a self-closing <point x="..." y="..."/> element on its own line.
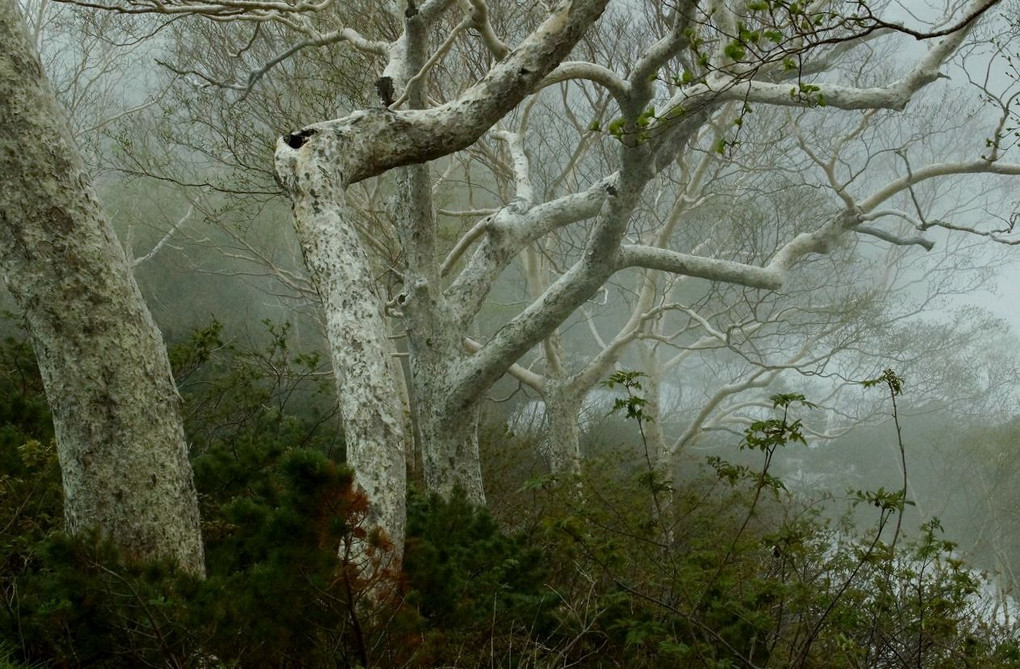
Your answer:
<point x="370" y="142"/>
<point x="599" y="74"/>
<point x="711" y="269"/>
<point x="505" y="235"/>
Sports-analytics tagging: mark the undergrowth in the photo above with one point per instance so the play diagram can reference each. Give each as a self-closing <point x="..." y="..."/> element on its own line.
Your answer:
<point x="610" y="570"/>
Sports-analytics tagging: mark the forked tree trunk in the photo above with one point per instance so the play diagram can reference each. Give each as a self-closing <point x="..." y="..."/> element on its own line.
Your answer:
<point x="450" y="458"/>
<point x="449" y="434"/>
<point x="116" y="411"/>
<point x="318" y="163"/>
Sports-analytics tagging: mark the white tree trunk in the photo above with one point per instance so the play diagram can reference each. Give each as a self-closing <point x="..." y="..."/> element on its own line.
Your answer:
<point x="450" y="439"/>
<point x="116" y="411"/>
<point x="359" y="348"/>
<point x="316" y="165"/>
<point x="449" y="434"/>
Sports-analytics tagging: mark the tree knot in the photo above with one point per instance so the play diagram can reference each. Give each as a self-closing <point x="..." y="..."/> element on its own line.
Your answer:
<point x="297" y="139"/>
<point x="384" y="87"/>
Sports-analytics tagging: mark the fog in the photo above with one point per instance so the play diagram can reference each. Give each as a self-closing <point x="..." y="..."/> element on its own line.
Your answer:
<point x="179" y="136"/>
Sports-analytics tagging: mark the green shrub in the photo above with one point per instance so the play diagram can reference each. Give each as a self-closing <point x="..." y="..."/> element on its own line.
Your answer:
<point x="621" y="567"/>
<point x="469" y="580"/>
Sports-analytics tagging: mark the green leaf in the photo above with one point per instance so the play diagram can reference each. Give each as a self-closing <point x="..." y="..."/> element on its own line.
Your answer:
<point x="735" y="51"/>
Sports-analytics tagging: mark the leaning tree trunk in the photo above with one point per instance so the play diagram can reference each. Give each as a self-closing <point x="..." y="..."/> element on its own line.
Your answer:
<point x="370" y="406"/>
<point x="116" y="411"/>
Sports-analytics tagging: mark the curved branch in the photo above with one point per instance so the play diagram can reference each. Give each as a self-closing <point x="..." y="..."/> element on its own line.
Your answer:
<point x="370" y="142"/>
<point x="462" y="245"/>
<point x="599" y="74"/>
<point x="885" y="236"/>
<point x="480" y="20"/>
<point x="529" y="378"/>
<point x="525" y="193"/>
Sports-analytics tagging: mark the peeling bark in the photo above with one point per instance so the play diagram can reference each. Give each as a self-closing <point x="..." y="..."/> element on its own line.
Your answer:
<point x="116" y="411"/>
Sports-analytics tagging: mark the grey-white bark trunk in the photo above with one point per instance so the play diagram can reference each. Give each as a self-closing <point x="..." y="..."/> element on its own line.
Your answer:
<point x="359" y="348"/>
<point x="116" y="411"/>
<point x="448" y="432"/>
<point x="450" y="444"/>
<point x="318" y="162"/>
<point x="563" y="435"/>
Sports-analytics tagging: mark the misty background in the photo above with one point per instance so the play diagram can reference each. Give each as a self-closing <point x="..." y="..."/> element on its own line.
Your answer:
<point x="188" y="182"/>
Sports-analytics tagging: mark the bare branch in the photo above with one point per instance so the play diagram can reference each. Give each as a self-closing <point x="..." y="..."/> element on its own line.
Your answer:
<point x="164" y="239"/>
<point x="885" y="236"/>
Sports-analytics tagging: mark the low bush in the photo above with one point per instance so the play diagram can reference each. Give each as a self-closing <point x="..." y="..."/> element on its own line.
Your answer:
<point x="617" y="568"/>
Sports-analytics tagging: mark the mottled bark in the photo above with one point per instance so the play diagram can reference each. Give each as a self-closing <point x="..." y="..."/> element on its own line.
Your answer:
<point x="378" y="140"/>
<point x="450" y="440"/>
<point x="449" y="436"/>
<point x="317" y="163"/>
<point x="356" y="330"/>
<point x="563" y="440"/>
<point x="116" y="410"/>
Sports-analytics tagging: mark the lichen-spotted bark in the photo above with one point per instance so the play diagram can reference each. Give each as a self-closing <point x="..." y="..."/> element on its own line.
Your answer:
<point x="449" y="434"/>
<point x="316" y="165"/>
<point x="116" y="410"/>
<point x="355" y="328"/>
<point x="448" y="439"/>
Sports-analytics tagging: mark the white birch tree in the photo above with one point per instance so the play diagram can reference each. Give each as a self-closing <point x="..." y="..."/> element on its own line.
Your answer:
<point x="120" y="439"/>
<point x="454" y="72"/>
